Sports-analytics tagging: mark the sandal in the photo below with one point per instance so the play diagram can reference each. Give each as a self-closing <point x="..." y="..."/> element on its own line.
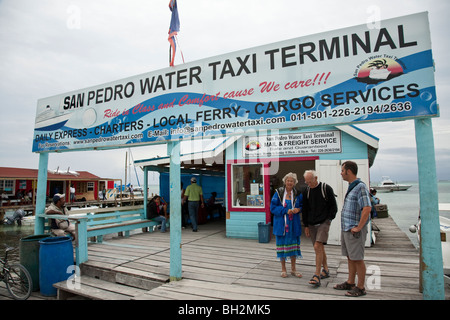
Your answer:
<point x="315" y="281"/>
<point x="344" y="286"/>
<point x="284" y="274"/>
<point x="356" y="292"/>
<point x="325" y="274"/>
<point x="296" y="274"/>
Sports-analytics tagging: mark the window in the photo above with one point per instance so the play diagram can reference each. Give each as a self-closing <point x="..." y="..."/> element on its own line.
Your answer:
<point x="84" y="187"/>
<point x="7" y="186"/>
<point x="247" y="185"/>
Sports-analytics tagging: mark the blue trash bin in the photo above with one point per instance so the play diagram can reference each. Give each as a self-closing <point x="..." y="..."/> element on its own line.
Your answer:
<point x="55" y="256"/>
<point x="263" y="232"/>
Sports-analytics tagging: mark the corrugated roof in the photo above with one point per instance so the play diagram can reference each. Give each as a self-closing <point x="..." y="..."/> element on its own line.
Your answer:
<point x="23" y="173"/>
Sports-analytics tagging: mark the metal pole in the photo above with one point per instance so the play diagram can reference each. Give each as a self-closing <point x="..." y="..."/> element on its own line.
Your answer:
<point x="175" y="211"/>
<point x="41" y="196"/>
<point x="126" y="167"/>
<point x="431" y="262"/>
<point x="145" y="191"/>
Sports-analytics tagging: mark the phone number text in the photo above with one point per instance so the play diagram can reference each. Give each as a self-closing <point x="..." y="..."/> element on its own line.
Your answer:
<point x="356" y="111"/>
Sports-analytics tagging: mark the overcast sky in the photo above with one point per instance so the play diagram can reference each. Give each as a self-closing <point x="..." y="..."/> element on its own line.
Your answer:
<point x="53" y="47"/>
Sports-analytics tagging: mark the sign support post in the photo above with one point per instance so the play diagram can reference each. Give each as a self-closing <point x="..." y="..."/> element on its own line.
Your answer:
<point x="41" y="193"/>
<point x="145" y="191"/>
<point x="431" y="258"/>
<point x="175" y="210"/>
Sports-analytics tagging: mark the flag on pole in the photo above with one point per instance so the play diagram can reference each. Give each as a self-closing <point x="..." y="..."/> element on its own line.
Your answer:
<point x="173" y="29"/>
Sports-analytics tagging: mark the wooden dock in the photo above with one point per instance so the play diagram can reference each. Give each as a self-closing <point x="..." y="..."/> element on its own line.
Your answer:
<point x="217" y="267"/>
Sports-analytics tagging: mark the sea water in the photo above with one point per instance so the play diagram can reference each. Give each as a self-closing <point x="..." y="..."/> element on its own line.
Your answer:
<point x="404" y="206"/>
<point x="10" y="236"/>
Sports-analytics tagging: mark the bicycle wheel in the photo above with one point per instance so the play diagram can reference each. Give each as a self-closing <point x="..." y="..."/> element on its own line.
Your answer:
<point x="18" y="282"/>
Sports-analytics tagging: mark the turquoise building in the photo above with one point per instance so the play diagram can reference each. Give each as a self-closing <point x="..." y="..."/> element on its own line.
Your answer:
<point x="250" y="166"/>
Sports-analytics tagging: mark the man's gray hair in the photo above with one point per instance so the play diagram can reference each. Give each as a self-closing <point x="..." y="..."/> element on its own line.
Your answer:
<point x="313" y="172"/>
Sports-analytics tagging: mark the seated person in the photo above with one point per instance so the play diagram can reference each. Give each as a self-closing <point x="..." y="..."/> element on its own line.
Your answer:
<point x="211" y="205"/>
<point x="58" y="226"/>
<point x="5" y="199"/>
<point x="374" y="201"/>
<point x="157" y="211"/>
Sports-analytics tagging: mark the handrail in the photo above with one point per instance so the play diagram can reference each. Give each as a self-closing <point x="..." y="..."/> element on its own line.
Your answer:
<point x="81" y="221"/>
<point x="101" y="210"/>
<point x="61" y="216"/>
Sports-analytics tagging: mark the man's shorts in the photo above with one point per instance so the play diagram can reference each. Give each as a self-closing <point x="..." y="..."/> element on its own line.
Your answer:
<point x="353" y="244"/>
<point x="320" y="232"/>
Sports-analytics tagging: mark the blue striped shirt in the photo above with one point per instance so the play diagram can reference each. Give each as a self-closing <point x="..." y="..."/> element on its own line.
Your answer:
<point x="355" y="201"/>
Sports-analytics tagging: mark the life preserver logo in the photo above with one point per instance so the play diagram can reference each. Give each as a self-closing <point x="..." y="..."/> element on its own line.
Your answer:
<point x="252" y="145"/>
<point x="373" y="71"/>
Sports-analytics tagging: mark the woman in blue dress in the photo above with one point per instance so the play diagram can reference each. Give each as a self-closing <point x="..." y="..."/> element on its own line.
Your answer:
<point x="286" y="207"/>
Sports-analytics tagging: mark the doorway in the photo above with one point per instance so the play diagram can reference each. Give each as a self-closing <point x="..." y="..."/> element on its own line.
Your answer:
<point x="284" y="166"/>
<point x="56" y="187"/>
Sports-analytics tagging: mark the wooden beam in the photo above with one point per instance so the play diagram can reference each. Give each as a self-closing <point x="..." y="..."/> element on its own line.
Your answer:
<point x="431" y="260"/>
<point x="173" y="148"/>
<point x="41" y="196"/>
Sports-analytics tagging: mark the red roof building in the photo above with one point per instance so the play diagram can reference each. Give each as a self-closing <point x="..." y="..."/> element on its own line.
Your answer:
<point x="19" y="183"/>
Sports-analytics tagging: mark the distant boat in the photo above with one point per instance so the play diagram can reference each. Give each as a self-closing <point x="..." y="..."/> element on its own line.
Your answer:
<point x="387" y="185"/>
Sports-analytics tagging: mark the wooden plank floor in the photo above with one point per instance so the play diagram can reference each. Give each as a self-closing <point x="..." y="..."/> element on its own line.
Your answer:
<point x="217" y="267"/>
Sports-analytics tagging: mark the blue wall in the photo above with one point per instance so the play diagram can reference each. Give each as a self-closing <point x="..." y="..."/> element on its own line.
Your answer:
<point x="245" y="224"/>
<point x="208" y="184"/>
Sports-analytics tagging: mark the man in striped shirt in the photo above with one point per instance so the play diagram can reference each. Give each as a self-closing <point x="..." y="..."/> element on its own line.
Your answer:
<point x="354" y="217"/>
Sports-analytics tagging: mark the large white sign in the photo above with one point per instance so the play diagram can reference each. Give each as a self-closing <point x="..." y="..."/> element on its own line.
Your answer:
<point x="356" y="74"/>
<point x="304" y="143"/>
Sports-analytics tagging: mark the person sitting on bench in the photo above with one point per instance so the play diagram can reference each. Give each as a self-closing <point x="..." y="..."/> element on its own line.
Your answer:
<point x="58" y="226"/>
<point x="157" y="211"/>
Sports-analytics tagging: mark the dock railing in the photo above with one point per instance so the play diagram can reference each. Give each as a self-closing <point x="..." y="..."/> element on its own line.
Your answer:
<point x="98" y="222"/>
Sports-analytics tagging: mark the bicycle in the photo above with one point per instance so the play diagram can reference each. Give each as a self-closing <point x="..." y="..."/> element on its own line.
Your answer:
<point x="16" y="277"/>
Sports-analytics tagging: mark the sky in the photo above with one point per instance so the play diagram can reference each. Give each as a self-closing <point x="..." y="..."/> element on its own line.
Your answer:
<point x="53" y="47"/>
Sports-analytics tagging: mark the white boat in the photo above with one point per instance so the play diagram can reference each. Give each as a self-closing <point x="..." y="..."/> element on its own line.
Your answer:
<point x="48" y="119"/>
<point x="387" y="185"/>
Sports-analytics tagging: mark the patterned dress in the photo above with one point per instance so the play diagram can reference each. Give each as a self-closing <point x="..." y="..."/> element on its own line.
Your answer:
<point x="288" y="245"/>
